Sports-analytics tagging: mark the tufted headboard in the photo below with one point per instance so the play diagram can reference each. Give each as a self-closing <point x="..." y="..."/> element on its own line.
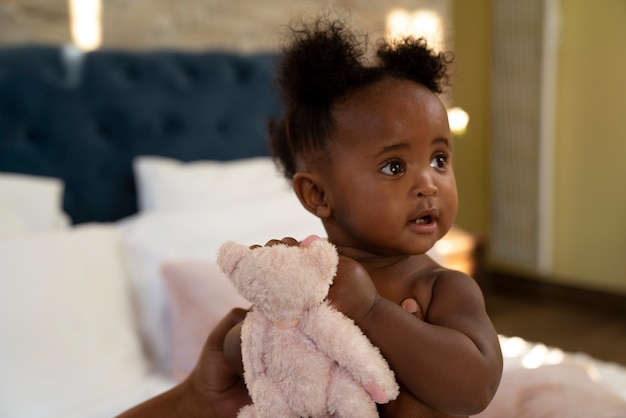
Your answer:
<point x="84" y="117"/>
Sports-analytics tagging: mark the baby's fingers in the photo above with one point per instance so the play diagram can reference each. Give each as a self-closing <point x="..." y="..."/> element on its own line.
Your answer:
<point x="292" y="242"/>
<point x="411" y="306"/>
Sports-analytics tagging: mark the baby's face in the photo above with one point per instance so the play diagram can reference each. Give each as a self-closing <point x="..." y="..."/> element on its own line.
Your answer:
<point x="390" y="182"/>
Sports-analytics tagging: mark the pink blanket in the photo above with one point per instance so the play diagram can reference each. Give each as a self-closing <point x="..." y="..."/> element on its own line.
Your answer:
<point x="551" y="391"/>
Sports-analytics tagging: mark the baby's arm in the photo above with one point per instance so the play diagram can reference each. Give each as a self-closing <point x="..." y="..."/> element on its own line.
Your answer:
<point x="451" y="361"/>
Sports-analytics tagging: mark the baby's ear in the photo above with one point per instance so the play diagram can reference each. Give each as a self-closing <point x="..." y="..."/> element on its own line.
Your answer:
<point x="308" y="189"/>
<point x="229" y="254"/>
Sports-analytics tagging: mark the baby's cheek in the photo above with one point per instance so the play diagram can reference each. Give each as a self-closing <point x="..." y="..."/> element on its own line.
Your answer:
<point x="410" y="305"/>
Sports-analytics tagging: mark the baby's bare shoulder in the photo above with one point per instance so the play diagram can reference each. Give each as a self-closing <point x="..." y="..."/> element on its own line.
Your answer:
<point x="455" y="296"/>
<point x="439" y="290"/>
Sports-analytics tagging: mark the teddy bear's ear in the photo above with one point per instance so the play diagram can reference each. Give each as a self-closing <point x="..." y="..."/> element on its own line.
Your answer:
<point x="229" y="254"/>
<point x="325" y="257"/>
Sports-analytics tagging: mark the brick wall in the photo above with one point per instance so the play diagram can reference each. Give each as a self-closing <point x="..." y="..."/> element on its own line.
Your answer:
<point x="242" y="25"/>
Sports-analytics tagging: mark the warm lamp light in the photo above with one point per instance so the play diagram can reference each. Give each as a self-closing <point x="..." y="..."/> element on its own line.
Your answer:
<point x="458" y="119"/>
<point x="85" y="21"/>
<point x="421" y="23"/>
<point x="456" y="250"/>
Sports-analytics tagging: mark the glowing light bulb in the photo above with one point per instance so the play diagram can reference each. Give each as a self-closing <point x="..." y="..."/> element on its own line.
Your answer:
<point x="85" y="21"/>
<point x="458" y="119"/>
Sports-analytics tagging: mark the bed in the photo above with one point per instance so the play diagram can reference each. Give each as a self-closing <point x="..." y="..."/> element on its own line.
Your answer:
<point x="120" y="174"/>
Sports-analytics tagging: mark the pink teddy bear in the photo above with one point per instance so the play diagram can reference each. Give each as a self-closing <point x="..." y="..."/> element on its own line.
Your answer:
<point x="302" y="357"/>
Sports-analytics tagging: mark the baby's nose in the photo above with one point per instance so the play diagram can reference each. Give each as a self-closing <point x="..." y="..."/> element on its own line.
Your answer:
<point x="424" y="185"/>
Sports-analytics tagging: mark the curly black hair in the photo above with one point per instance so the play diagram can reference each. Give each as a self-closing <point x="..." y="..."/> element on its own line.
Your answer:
<point x="324" y="62"/>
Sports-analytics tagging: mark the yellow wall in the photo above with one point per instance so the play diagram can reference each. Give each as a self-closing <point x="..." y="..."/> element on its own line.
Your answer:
<point x="590" y="168"/>
<point x="472" y="32"/>
<point x="590" y="161"/>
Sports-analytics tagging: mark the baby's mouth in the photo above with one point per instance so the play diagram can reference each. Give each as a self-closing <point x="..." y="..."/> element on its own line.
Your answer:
<point x="426" y="217"/>
<point x="424" y="220"/>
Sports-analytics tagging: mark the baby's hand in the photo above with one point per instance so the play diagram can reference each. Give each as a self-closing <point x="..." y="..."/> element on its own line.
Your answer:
<point x="292" y="242"/>
<point x="410" y="305"/>
<point x="353" y="293"/>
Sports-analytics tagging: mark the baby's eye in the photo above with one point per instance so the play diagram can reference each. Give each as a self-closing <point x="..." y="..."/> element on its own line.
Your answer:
<point x="393" y="168"/>
<point x="439" y="161"/>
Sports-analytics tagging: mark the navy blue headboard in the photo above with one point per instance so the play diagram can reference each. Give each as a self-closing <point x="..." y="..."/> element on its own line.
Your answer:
<point x="84" y="118"/>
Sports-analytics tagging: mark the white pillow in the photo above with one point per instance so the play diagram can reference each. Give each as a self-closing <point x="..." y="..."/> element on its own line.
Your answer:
<point x="154" y="238"/>
<point x="30" y="204"/>
<point x="68" y="335"/>
<point x="165" y="184"/>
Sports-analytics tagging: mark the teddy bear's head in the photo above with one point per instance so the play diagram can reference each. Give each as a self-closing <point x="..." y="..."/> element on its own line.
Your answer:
<point x="282" y="280"/>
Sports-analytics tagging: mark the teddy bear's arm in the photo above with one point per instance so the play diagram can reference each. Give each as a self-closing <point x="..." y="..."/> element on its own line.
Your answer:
<point x="253" y="330"/>
<point x="343" y="341"/>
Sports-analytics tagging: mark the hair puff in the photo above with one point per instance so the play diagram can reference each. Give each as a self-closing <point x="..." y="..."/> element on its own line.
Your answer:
<point x="320" y="63"/>
<point x="323" y="62"/>
<point x="411" y="58"/>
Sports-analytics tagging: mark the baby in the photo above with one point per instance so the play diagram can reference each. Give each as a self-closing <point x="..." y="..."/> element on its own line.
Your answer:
<point x="368" y="149"/>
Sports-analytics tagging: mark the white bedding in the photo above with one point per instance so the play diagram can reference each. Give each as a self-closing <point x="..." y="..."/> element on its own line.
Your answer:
<point x="546" y="382"/>
<point x="67" y="321"/>
<point x="30" y="204"/>
<point x="87" y="313"/>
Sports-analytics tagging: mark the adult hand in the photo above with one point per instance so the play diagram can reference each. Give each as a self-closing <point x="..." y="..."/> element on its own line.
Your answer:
<point x="212" y="390"/>
<point x="213" y="380"/>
